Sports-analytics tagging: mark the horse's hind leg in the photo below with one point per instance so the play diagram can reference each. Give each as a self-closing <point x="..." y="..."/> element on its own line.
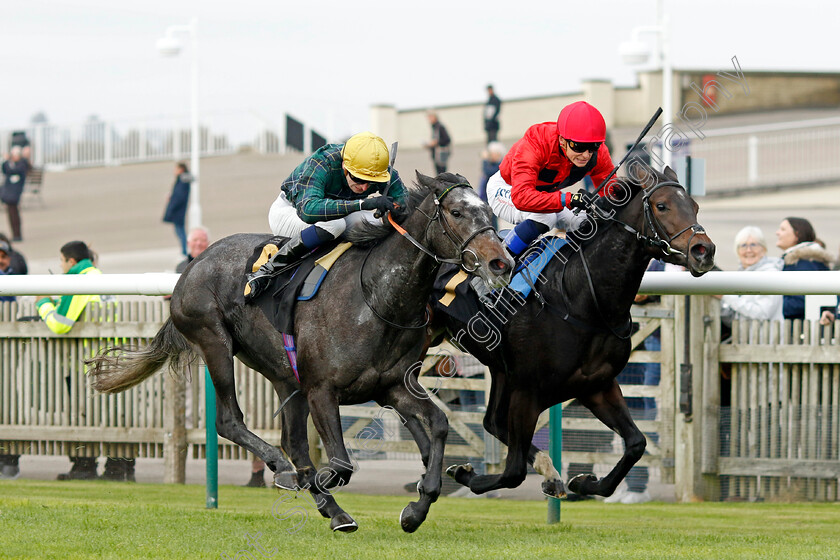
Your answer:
<point x="611" y="409"/>
<point x="296" y="445"/>
<point x="229" y="419"/>
<point x="415" y="413"/>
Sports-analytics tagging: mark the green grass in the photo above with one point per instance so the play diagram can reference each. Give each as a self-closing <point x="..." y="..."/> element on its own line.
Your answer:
<point x="109" y="520"/>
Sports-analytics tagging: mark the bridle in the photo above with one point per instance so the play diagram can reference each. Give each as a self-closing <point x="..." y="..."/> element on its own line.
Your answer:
<point x="437" y="216"/>
<point x="462" y="246"/>
<point x="655" y="240"/>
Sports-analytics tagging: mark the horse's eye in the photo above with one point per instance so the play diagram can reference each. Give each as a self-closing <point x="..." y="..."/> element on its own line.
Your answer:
<point x="456" y="213"/>
<point x="660" y="206"/>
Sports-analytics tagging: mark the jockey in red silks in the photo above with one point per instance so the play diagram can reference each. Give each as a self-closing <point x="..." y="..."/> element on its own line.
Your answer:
<point x="528" y="189"/>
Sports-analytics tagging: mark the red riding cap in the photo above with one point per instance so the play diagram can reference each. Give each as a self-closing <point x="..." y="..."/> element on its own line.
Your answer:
<point x="581" y="122"/>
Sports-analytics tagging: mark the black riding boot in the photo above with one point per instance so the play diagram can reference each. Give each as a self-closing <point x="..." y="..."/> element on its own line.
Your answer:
<point x="84" y="468"/>
<point x="292" y="250"/>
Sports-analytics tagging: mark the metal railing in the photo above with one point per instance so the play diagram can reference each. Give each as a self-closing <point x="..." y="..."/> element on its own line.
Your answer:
<point x="770" y="155"/>
<point x="98" y="143"/>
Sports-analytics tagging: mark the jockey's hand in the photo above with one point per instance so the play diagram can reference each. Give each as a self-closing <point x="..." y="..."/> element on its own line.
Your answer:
<point x="582" y="199"/>
<point x="380" y="205"/>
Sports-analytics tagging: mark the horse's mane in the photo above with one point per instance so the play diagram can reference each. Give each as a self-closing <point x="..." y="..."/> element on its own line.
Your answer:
<point x="366" y="234"/>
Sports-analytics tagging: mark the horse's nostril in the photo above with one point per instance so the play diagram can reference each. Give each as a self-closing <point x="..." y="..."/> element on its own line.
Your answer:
<point x="499" y="265"/>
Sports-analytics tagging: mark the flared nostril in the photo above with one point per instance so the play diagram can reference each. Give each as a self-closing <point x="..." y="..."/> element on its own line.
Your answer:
<point x="499" y="266"/>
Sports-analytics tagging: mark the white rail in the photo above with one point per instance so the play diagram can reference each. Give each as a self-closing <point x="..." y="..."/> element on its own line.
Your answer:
<point x="158" y="284"/>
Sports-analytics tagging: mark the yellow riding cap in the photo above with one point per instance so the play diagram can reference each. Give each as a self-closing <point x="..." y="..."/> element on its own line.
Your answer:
<point x="365" y="156"/>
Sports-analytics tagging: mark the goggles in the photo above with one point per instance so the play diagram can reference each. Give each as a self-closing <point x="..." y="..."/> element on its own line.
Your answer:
<point x="580" y="147"/>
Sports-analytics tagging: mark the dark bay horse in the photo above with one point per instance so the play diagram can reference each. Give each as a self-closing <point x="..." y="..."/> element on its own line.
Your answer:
<point x="576" y="341"/>
<point x="357" y="340"/>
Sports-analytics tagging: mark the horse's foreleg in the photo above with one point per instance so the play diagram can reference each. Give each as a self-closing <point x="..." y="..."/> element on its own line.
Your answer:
<point x="416" y="413"/>
<point x="521" y="421"/>
<point x="230" y="423"/>
<point x="611" y="409"/>
<point x="296" y="445"/>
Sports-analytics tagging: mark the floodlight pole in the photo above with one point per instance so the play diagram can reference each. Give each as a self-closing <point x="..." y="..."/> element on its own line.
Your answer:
<point x="195" y="139"/>
<point x="664" y="56"/>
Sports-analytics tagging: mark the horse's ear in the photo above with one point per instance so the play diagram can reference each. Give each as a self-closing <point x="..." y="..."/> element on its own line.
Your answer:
<point x="641" y="173"/>
<point x="425" y="180"/>
<point x="670" y="174"/>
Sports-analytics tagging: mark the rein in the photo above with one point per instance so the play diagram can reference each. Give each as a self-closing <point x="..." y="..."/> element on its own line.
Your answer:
<point x="462" y="250"/>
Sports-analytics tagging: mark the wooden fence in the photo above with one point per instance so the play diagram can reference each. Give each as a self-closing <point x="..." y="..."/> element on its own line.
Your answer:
<point x="780" y="434"/>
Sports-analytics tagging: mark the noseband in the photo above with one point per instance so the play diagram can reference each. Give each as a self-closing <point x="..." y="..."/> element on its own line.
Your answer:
<point x="437" y="216"/>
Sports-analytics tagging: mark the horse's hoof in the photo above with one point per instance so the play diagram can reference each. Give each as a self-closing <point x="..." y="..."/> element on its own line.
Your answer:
<point x="461" y="473"/>
<point x="286" y="480"/>
<point x="409" y="518"/>
<point x="344" y="523"/>
<point x="581" y="484"/>
<point x="554" y="488"/>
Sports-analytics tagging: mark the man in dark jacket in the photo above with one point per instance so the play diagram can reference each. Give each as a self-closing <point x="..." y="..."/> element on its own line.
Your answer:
<point x="491" y="115"/>
<point x="176" y="207"/>
<point x="439" y="145"/>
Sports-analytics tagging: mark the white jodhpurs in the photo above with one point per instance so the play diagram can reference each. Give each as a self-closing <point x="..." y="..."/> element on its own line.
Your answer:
<point x="498" y="196"/>
<point x="284" y="220"/>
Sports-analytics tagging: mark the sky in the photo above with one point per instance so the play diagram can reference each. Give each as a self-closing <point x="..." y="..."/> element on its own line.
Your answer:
<point x="326" y="62"/>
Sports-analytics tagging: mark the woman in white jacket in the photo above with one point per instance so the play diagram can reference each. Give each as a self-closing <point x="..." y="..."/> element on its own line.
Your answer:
<point x="751" y="249"/>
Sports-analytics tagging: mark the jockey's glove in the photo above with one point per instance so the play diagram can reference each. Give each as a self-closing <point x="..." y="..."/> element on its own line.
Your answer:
<point x="380" y="205"/>
<point x="582" y="199"/>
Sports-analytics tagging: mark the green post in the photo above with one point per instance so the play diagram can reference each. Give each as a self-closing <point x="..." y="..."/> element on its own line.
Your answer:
<point x="211" y="446"/>
<point x="555" y="451"/>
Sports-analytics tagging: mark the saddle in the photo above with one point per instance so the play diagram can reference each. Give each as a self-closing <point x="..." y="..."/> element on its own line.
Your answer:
<point x="298" y="282"/>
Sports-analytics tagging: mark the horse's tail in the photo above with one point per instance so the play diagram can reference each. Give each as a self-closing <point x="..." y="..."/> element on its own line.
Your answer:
<point x="116" y="369"/>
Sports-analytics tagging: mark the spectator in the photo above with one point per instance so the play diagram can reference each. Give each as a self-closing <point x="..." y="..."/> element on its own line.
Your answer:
<point x="797" y="239"/>
<point x="751" y="249"/>
<point x="8" y="463"/>
<point x="550" y="157"/>
<point x="326" y="194"/>
<point x="6" y="266"/>
<point x="197" y="241"/>
<point x="176" y="207"/>
<point x="60" y="316"/>
<point x="18" y="262"/>
<point x="14" y="169"/>
<point x="11" y="262"/>
<point x="491" y="114"/>
<point x="440" y="143"/>
<point x="491" y="159"/>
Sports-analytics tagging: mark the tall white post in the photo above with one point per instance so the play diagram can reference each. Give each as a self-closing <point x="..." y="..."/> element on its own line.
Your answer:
<point x="667" y="84"/>
<point x="195" y="144"/>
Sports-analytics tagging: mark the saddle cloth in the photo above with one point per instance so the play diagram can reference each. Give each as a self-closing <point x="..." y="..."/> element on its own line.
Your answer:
<point x="298" y="283"/>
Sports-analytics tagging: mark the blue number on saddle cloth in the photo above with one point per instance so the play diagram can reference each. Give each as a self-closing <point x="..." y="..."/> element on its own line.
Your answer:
<point x="534" y="263"/>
